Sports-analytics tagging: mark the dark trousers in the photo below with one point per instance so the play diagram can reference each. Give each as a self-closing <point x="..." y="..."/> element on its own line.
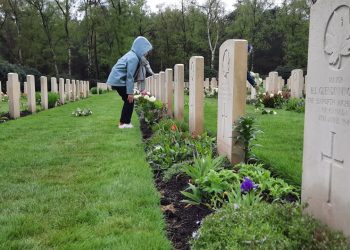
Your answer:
<point x="128" y="108"/>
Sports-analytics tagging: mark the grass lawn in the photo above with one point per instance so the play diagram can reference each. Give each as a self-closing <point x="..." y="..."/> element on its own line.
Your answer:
<point x="77" y="182"/>
<point x="282" y="140"/>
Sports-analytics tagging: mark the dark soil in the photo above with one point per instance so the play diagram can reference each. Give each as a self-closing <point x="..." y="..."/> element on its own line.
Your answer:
<point x="182" y="220"/>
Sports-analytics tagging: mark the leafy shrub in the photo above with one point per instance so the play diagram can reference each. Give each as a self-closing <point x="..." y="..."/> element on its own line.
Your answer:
<point x="82" y="112"/>
<point x="53" y="99"/>
<point x="271" y="188"/>
<point x="22" y="71"/>
<point x="273" y="100"/>
<point x="149" y="109"/>
<point x="296" y="104"/>
<point x="245" y="132"/>
<point x="38" y="98"/>
<point x="213" y="186"/>
<point x="172" y="145"/>
<point x="265" y="226"/>
<point x="94" y="91"/>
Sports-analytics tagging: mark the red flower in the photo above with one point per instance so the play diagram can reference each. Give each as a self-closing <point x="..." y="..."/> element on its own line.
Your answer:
<point x="174" y="127"/>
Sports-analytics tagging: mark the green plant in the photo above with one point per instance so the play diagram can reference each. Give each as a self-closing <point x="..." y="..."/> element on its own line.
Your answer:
<point x="82" y="112"/>
<point x="265" y="226"/>
<point x="296" y="104"/>
<point x="202" y="166"/>
<point x="275" y="100"/>
<point x="245" y="132"/>
<point x="53" y="99"/>
<point x="149" y="109"/>
<point x="273" y="189"/>
<point x="38" y="98"/>
<point x="94" y="90"/>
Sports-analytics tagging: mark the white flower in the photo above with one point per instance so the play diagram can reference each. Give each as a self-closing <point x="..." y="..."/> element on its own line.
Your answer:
<point x="137" y="97"/>
<point x="152" y="99"/>
<point x="274" y="112"/>
<point x="271" y="95"/>
<point x="146" y="97"/>
<point x="264" y="94"/>
<point x="279" y="93"/>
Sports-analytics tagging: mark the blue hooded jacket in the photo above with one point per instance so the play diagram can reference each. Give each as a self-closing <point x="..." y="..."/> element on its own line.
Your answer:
<point x="124" y="71"/>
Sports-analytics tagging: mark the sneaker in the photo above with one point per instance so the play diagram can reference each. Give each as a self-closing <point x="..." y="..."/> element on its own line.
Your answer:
<point x="128" y="125"/>
<point x="123" y="126"/>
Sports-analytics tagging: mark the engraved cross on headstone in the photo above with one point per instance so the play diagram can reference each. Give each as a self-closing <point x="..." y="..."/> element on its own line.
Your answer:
<point x="224" y="117"/>
<point x="332" y="162"/>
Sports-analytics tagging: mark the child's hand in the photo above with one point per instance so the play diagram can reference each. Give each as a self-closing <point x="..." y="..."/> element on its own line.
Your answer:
<point x="130" y="98"/>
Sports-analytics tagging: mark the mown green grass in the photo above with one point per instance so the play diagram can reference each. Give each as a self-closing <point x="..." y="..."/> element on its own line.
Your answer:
<point x="77" y="182"/>
<point x="281" y="141"/>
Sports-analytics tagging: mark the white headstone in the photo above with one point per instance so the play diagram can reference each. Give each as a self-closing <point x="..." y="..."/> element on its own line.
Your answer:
<point x="44" y="94"/>
<point x="162" y="86"/>
<point x="213" y="83"/>
<point x="61" y="90"/>
<point x="156" y="86"/>
<point x="196" y="100"/>
<point x="232" y="96"/>
<point x="74" y="90"/>
<point x="14" y="95"/>
<point x="206" y="83"/>
<point x="326" y="162"/>
<point x="31" y="94"/>
<point x="54" y="87"/>
<point x="25" y="88"/>
<point x="169" y="91"/>
<point x="297" y="83"/>
<point x="272" y="83"/>
<point x="179" y="92"/>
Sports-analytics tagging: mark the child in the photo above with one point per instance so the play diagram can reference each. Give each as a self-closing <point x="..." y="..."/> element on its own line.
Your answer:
<point x="141" y="76"/>
<point x="250" y="78"/>
<point x="123" y="74"/>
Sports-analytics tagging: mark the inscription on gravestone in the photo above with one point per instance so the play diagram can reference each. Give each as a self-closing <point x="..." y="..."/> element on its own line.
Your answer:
<point x="326" y="158"/>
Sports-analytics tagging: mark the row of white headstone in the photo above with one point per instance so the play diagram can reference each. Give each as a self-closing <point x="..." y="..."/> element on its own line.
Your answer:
<point x="296" y="83"/>
<point x="168" y="87"/>
<point x="68" y="90"/>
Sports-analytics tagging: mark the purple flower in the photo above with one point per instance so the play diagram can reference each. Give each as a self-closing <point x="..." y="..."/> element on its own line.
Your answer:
<point x="247" y="185"/>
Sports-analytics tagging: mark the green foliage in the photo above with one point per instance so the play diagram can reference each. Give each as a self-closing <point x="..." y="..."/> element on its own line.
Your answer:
<point x="265" y="226"/>
<point x="172" y="146"/>
<point x="273" y="189"/>
<point x="53" y="99"/>
<point x="22" y="71"/>
<point x="94" y="91"/>
<point x="149" y="109"/>
<point x="275" y="100"/>
<point x="296" y="104"/>
<point x="82" y="112"/>
<point x="245" y="132"/>
<point x="38" y="98"/>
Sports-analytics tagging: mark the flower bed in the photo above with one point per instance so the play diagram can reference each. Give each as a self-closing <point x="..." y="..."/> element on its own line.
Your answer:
<point x="195" y="182"/>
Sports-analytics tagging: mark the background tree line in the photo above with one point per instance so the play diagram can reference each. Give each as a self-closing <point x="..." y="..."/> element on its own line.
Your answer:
<point x="82" y="39"/>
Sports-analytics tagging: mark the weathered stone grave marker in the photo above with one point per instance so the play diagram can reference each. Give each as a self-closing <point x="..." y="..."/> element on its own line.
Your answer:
<point x="14" y="94"/>
<point x="179" y="92"/>
<point x="196" y="100"/>
<point x="44" y="94"/>
<point x="231" y="96"/>
<point x="297" y="83"/>
<point x="31" y="94"/>
<point x="326" y="160"/>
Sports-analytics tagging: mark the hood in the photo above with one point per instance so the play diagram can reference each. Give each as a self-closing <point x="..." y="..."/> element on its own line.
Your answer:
<point x="141" y="46"/>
